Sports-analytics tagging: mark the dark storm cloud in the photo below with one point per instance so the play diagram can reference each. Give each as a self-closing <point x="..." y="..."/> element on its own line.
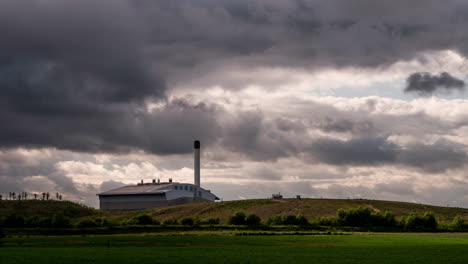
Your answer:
<point x="424" y="83"/>
<point x="117" y="129"/>
<point x="360" y="151"/>
<point x="76" y="74"/>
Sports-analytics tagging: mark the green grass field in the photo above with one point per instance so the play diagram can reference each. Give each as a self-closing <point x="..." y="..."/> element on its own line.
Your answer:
<point x="222" y="248"/>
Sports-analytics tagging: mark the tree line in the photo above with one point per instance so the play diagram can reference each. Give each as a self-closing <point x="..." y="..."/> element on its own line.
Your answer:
<point x="31" y="196"/>
<point x="362" y="218"/>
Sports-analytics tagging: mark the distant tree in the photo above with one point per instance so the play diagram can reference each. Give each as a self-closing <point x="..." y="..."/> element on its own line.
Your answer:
<point x="301" y="220"/>
<point x="458" y="224"/>
<point x="2" y="235"/>
<point x="87" y="223"/>
<point x="35" y="196"/>
<point x="25" y="195"/>
<point x="10" y="194"/>
<point x="238" y="218"/>
<point x="170" y="221"/>
<point x="143" y="219"/>
<point x="47" y="195"/>
<point x="13" y="195"/>
<point x="60" y="221"/>
<point x="60" y="197"/>
<point x="43" y="195"/>
<point x="187" y="221"/>
<point x="252" y="220"/>
<point x="19" y="196"/>
<point x="212" y="221"/>
<point x="427" y="222"/>
<point x="57" y="195"/>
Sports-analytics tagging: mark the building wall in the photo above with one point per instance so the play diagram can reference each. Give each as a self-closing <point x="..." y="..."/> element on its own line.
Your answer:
<point x="141" y="202"/>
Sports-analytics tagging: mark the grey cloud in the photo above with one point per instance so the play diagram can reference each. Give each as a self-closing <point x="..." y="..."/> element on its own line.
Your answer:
<point x="424" y="83"/>
<point x="359" y="151"/>
<point x="117" y="129"/>
<point x="398" y="188"/>
<point x="76" y="75"/>
<point x="34" y="172"/>
<point x="438" y="157"/>
<point x="109" y="185"/>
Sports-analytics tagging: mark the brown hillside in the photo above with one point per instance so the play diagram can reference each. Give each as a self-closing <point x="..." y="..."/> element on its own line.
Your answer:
<point x="311" y="208"/>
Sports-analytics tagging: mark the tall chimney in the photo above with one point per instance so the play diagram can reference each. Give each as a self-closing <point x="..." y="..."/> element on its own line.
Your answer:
<point x="196" y="166"/>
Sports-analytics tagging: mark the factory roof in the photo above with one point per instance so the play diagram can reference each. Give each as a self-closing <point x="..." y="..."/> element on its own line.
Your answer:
<point x="147" y="188"/>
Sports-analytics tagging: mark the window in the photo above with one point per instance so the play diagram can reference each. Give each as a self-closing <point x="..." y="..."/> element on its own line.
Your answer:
<point x="199" y="193"/>
<point x="186" y="187"/>
<point x="191" y="188"/>
<point x="175" y="187"/>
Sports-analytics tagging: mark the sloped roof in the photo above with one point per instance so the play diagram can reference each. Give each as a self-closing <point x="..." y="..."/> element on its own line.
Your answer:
<point x="138" y="189"/>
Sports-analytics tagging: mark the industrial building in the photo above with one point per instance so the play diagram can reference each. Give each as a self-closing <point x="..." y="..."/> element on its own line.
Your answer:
<point x="156" y="193"/>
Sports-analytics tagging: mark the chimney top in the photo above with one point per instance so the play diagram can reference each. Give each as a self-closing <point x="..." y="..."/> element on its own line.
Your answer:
<point x="196" y="144"/>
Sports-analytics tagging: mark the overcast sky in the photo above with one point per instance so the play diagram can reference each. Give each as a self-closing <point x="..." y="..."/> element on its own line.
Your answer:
<point x="333" y="99"/>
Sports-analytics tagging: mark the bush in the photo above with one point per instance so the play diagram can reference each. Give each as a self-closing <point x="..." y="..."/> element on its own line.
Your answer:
<point x="60" y="221"/>
<point x="364" y="217"/>
<point x="143" y="219"/>
<point x="87" y="223"/>
<point x="458" y="224"/>
<point x="275" y="220"/>
<point x="187" y="221"/>
<point x="212" y="221"/>
<point x="298" y="219"/>
<point x="252" y="220"/>
<point x="301" y="220"/>
<point x="360" y="216"/>
<point x="13" y="220"/>
<point x="427" y="222"/>
<point x="323" y="221"/>
<point x="238" y="218"/>
<point x="170" y="221"/>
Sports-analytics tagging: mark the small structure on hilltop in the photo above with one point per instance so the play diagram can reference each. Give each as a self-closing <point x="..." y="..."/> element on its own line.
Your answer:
<point x="277" y="196"/>
<point x="156" y="193"/>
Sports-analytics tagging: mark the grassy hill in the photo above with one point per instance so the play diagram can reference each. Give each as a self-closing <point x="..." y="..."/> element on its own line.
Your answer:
<point x="27" y="208"/>
<point x="311" y="208"/>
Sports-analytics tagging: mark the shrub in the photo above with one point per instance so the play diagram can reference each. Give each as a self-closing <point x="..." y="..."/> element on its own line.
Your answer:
<point x="212" y="221"/>
<point x="187" y="221"/>
<point x="252" y="220"/>
<point x="170" y="221"/>
<point x="427" y="222"/>
<point x="301" y="220"/>
<point x="274" y="220"/>
<point x="2" y="235"/>
<point x="364" y="217"/>
<point x="360" y="216"/>
<point x="298" y="219"/>
<point x="323" y="221"/>
<point x="458" y="224"/>
<point x="238" y="218"/>
<point x="386" y="219"/>
<point x="87" y="223"/>
<point x="13" y="220"/>
<point x="60" y="221"/>
<point x="44" y="222"/>
<point x="143" y="219"/>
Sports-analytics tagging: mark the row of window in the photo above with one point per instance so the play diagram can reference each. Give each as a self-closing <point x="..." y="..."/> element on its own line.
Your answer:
<point x="176" y="187"/>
